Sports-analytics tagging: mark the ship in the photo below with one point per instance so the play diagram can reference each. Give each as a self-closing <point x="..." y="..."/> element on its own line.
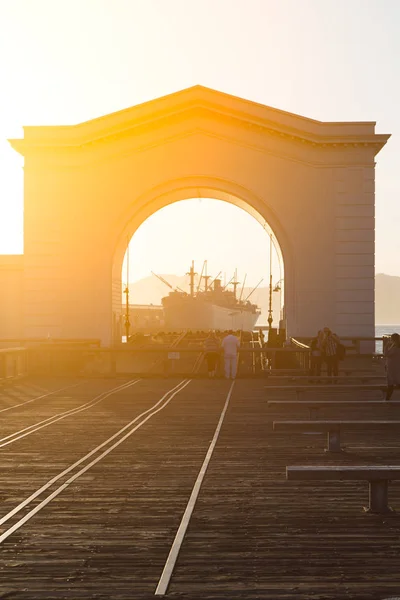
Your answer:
<point x="209" y="306"/>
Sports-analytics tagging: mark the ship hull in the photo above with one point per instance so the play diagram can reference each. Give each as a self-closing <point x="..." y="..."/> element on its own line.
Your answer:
<point x="188" y="313"/>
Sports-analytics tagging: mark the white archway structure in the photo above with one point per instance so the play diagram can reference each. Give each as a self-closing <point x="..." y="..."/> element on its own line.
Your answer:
<point x="200" y="187"/>
<point x="88" y="187"/>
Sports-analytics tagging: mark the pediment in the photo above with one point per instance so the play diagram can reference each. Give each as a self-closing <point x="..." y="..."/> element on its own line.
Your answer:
<point x="198" y="102"/>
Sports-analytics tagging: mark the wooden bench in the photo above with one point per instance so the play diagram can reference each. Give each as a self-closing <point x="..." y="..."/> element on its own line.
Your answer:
<point x="302" y="389"/>
<point x="305" y="372"/>
<point x="314" y="406"/>
<point x="318" y="379"/>
<point x="378" y="478"/>
<point x="333" y="428"/>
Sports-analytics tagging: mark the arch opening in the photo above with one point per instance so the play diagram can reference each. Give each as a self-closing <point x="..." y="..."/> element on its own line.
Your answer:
<point x="274" y="263"/>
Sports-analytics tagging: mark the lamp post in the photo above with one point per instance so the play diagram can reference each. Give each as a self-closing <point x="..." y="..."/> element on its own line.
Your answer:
<point x="127" y="323"/>
<point x="270" y="318"/>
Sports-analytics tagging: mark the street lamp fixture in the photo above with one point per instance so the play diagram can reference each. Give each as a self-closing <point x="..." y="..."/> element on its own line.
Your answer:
<point x="127" y="323"/>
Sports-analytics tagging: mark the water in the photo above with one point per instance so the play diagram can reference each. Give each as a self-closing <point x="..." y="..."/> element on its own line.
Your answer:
<point x="384" y="330"/>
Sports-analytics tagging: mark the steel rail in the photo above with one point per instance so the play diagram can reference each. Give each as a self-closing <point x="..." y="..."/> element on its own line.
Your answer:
<point x="166" y="575"/>
<point x="14" y="437"/>
<point x="43" y="396"/>
<point x="163" y="401"/>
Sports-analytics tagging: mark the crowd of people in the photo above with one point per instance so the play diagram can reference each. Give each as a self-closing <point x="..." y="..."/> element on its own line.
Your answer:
<point x="326" y="349"/>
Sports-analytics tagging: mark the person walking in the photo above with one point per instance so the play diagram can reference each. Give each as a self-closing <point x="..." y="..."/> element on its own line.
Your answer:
<point x="211" y="349"/>
<point x="392" y="355"/>
<point x="330" y="344"/>
<point x="230" y="346"/>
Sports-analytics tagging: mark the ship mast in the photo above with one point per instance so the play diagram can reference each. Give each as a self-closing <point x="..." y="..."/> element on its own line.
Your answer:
<point x="229" y="282"/>
<point x="192" y="274"/>
<point x="235" y="283"/>
<point x="241" y="291"/>
<point x="201" y="275"/>
<point x="206" y="277"/>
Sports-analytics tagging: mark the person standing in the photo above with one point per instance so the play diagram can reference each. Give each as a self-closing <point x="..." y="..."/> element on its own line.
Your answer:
<point x="392" y="355"/>
<point x="316" y="357"/>
<point x="211" y="349"/>
<point x="330" y="345"/>
<point x="230" y="346"/>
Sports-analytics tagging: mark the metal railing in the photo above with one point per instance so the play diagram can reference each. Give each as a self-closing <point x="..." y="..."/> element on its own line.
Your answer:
<point x="303" y="354"/>
<point x="13" y="364"/>
<point x="6" y="343"/>
<point x="354" y="345"/>
<point x="88" y="359"/>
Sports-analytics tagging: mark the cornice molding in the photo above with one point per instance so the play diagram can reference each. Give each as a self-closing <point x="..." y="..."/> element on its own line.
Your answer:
<point x="198" y="102"/>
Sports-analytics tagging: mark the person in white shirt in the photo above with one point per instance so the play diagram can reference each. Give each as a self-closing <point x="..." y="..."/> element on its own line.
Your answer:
<point x="230" y="346"/>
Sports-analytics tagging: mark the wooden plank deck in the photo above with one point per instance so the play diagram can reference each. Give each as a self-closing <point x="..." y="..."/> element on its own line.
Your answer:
<point x="252" y="534"/>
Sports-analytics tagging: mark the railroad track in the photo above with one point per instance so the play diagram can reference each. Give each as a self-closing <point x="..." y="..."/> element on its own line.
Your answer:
<point x="255" y="535"/>
<point x="54" y="418"/>
<point x="88" y="460"/>
<point x="109" y="499"/>
<point x="19" y="394"/>
<point x="38" y="500"/>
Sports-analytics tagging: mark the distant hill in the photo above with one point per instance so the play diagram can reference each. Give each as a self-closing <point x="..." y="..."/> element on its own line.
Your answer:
<point x="387" y="299"/>
<point x="150" y="290"/>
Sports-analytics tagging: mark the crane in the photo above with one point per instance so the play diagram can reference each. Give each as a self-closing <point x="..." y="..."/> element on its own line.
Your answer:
<point x="201" y="275"/>
<point x="241" y="291"/>
<point x="253" y="290"/>
<point x="209" y="285"/>
<point x="166" y="282"/>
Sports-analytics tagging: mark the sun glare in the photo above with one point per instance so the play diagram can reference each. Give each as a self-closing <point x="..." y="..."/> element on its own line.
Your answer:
<point x="226" y="236"/>
<point x="231" y="240"/>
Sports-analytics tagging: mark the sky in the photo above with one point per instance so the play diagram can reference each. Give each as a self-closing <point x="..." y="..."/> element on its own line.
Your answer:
<point x="64" y="62"/>
<point x="222" y="247"/>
